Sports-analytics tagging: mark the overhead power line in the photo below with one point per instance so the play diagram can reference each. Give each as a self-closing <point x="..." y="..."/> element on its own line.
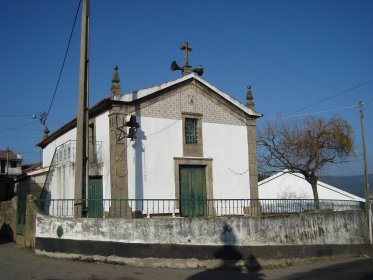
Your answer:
<point x="332" y="96"/>
<point x="314" y="113"/>
<point x="64" y="59"/>
<point x="12" y="115"/>
<point x="28" y="129"/>
<point x="19" y="137"/>
<point x="18" y="127"/>
<point x="15" y="111"/>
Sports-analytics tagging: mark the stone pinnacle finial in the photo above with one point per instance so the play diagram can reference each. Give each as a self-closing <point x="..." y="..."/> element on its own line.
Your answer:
<point x="115" y="86"/>
<point x="250" y="98"/>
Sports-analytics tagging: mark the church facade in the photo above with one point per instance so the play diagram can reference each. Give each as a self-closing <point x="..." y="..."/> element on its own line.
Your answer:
<point x="184" y="140"/>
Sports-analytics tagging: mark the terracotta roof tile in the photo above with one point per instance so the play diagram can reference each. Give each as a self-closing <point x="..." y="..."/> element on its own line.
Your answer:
<point x="7" y="154"/>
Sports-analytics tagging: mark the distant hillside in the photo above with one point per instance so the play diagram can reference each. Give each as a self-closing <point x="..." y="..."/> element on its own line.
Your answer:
<point x="351" y="184"/>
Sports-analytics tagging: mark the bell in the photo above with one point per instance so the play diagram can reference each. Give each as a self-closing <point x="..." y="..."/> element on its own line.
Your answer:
<point x="132" y="122"/>
<point x="132" y="133"/>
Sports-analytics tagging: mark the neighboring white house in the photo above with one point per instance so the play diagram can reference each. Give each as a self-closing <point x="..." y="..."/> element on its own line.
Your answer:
<point x="10" y="163"/>
<point x="193" y="142"/>
<point x="285" y="185"/>
<point x="31" y="181"/>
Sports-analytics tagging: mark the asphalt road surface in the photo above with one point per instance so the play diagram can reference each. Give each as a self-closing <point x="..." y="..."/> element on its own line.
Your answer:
<point x="21" y="263"/>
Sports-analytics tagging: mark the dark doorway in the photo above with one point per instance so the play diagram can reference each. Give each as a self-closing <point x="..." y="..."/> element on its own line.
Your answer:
<point x="6" y="234"/>
<point x="2" y="168"/>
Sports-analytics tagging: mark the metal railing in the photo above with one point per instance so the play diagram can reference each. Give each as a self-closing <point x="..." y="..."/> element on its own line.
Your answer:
<point x="66" y="152"/>
<point x="140" y="208"/>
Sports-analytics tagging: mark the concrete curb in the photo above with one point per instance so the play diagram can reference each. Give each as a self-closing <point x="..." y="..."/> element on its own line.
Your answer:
<point x="252" y="265"/>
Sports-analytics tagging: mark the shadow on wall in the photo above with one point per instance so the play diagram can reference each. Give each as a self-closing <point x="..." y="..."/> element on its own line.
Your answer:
<point x="6" y="188"/>
<point x="234" y="264"/>
<point x="44" y="202"/>
<point x="139" y="148"/>
<point x="6" y="234"/>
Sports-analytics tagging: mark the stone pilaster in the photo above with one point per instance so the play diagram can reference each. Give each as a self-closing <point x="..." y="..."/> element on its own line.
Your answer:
<point x="118" y="162"/>
<point x="253" y="169"/>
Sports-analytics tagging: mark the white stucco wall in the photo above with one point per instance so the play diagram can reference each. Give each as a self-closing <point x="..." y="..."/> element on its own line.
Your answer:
<point x="160" y="140"/>
<point x="103" y="136"/>
<point x="294" y="186"/>
<point x="227" y="146"/>
<point x="62" y="180"/>
<point x="62" y="184"/>
<point x="151" y="158"/>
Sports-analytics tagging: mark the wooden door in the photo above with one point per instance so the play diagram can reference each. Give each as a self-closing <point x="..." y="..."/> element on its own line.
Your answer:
<point x="21" y="214"/>
<point x="95" y="198"/>
<point x="192" y="191"/>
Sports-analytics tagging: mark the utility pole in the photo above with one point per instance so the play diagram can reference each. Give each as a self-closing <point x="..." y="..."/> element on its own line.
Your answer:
<point x="7" y="161"/>
<point x="81" y="159"/>
<point x="367" y="202"/>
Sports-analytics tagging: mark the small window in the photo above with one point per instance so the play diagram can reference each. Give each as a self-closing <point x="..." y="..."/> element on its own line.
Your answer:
<point x="192" y="135"/>
<point x="13" y="164"/>
<point x="191" y="131"/>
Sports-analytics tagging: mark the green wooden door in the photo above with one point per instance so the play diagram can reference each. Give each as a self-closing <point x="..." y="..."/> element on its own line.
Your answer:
<point x="192" y="191"/>
<point x="95" y="198"/>
<point x="21" y="214"/>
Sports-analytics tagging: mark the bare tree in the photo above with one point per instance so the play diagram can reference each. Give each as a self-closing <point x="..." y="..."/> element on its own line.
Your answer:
<point x="305" y="147"/>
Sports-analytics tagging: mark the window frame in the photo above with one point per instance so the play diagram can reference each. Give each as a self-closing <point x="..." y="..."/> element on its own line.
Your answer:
<point x="191" y="126"/>
<point x="193" y="149"/>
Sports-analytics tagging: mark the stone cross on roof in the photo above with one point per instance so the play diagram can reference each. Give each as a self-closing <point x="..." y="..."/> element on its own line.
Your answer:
<point x="186" y="69"/>
<point x="186" y="49"/>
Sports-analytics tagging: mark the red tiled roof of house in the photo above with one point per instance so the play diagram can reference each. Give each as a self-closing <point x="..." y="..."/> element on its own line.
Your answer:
<point x="7" y="154"/>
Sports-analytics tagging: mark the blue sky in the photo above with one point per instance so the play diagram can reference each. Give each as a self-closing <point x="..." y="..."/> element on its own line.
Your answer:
<point x="295" y="54"/>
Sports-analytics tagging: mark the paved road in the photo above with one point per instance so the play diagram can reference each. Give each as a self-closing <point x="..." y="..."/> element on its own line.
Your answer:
<point x="21" y="263"/>
<point x="353" y="270"/>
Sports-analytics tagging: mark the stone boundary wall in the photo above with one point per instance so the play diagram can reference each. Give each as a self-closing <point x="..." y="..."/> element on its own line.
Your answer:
<point x="347" y="227"/>
<point x="270" y="237"/>
<point x="8" y="219"/>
